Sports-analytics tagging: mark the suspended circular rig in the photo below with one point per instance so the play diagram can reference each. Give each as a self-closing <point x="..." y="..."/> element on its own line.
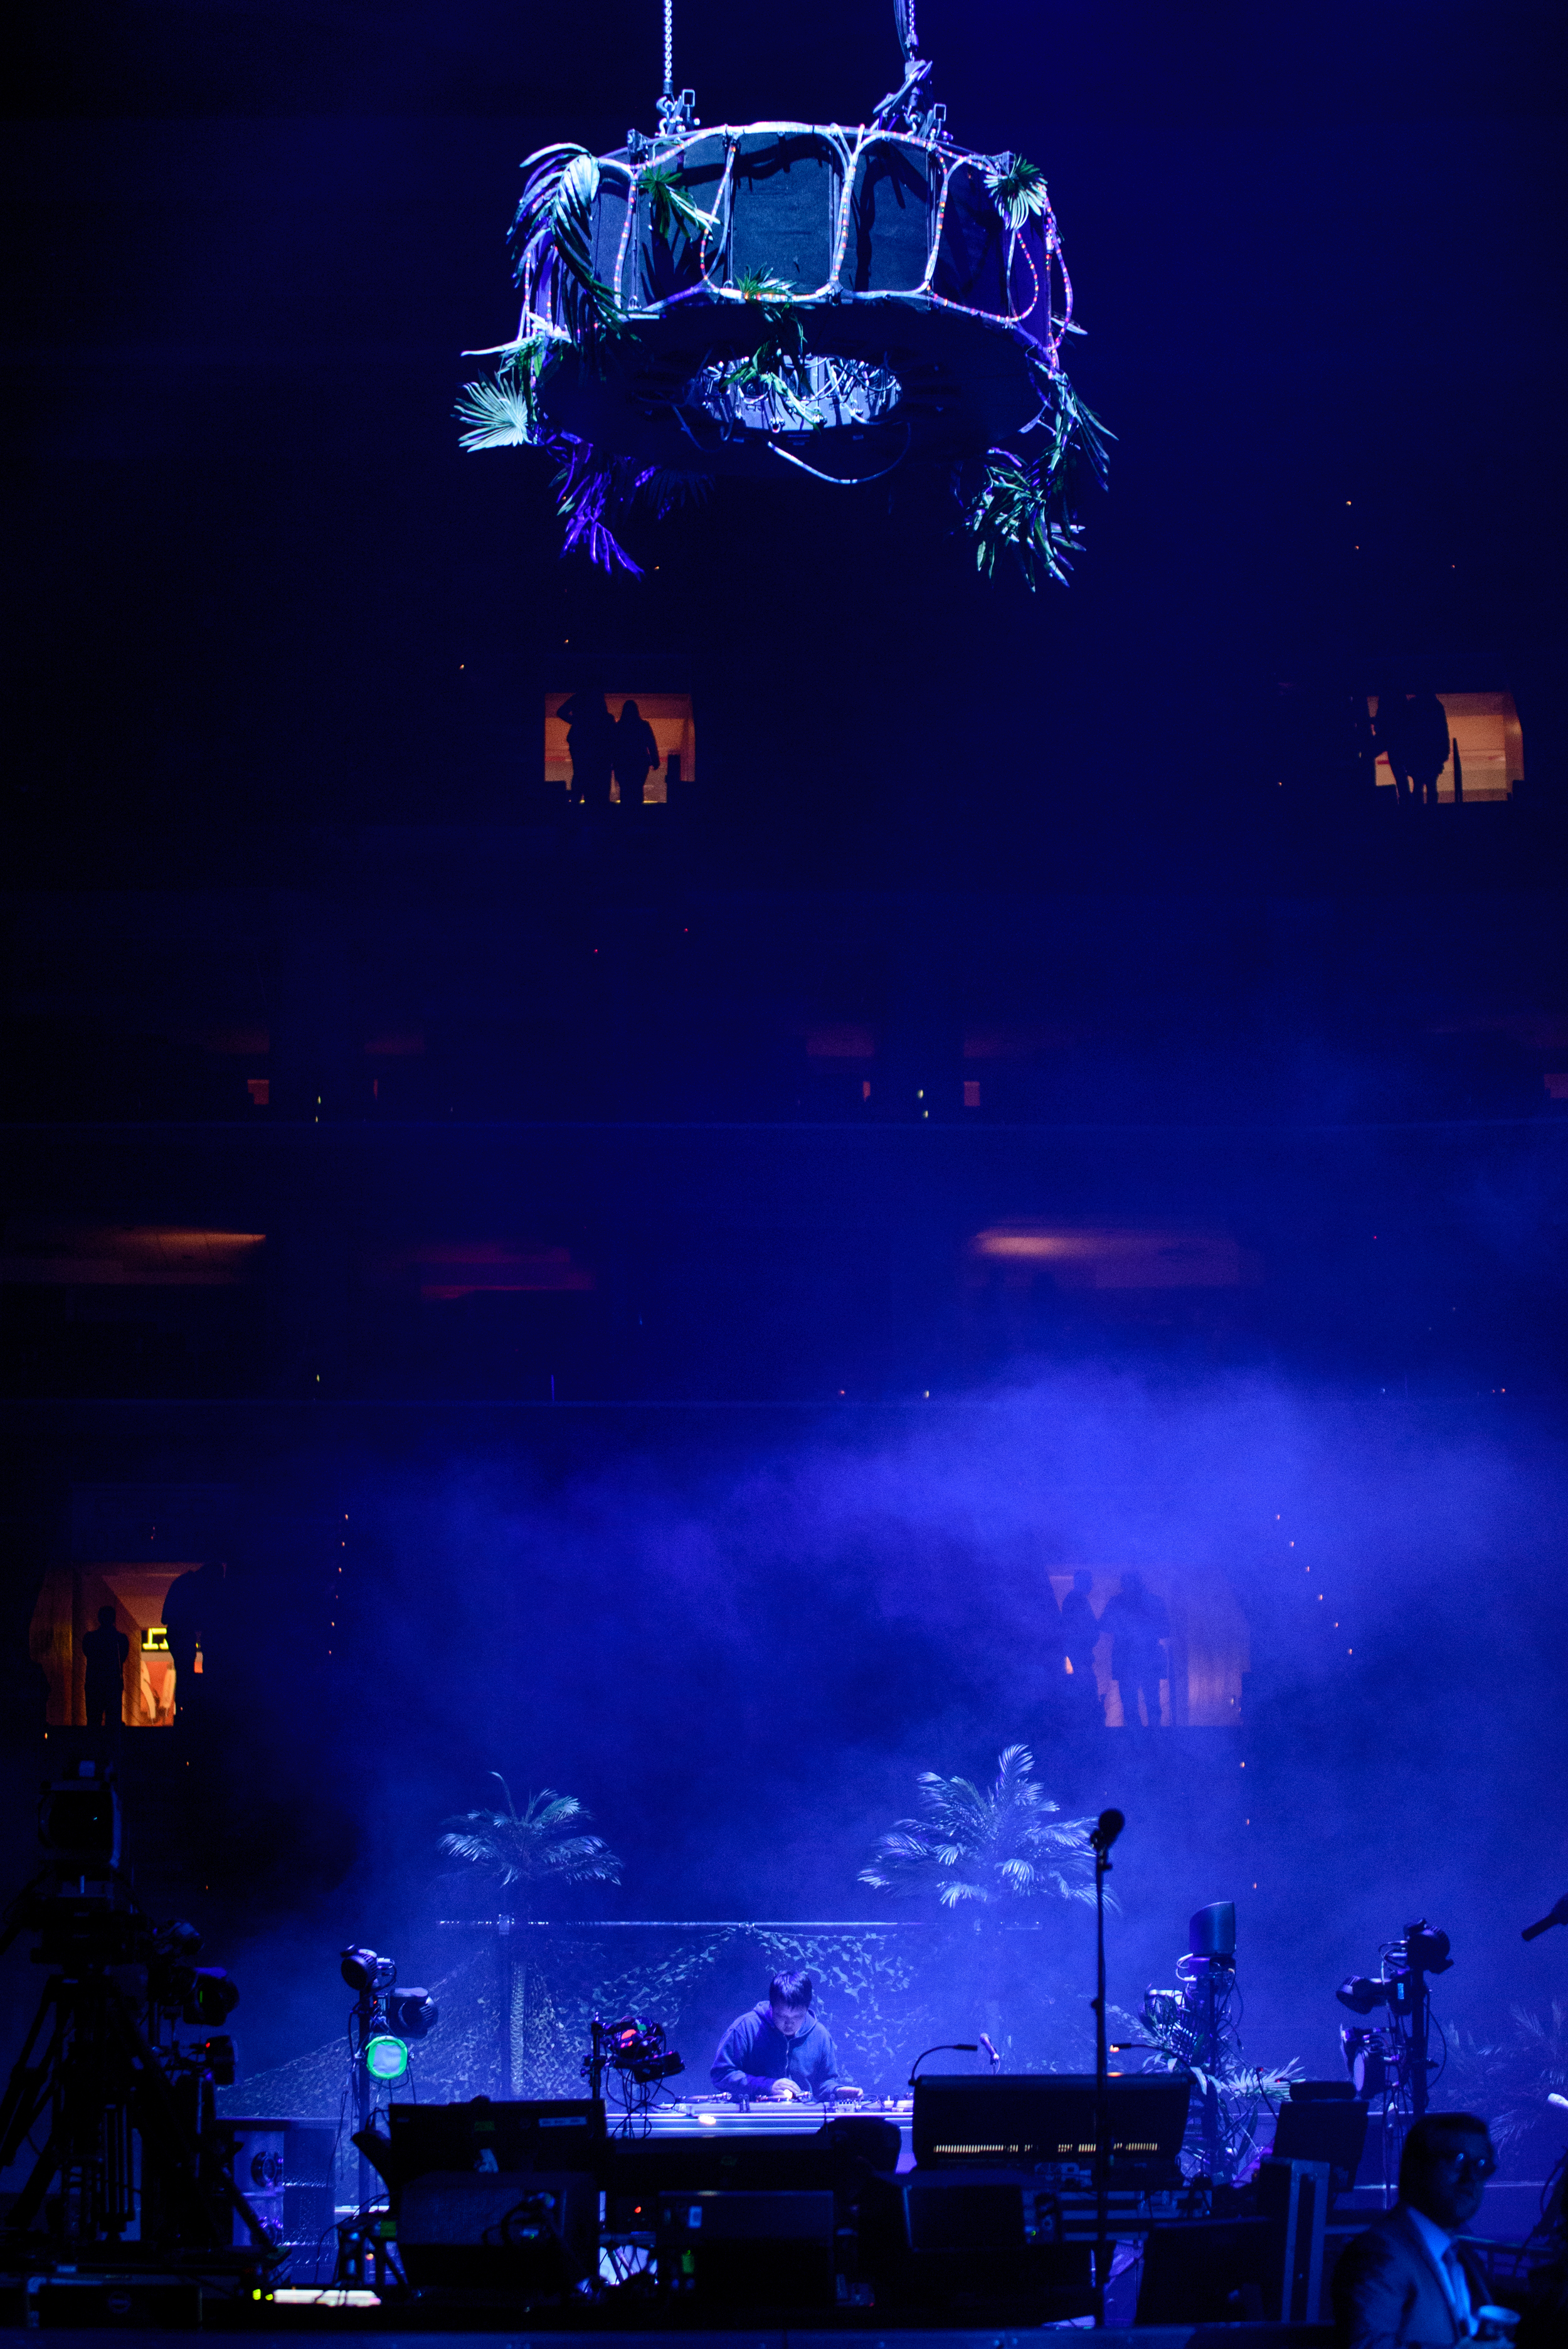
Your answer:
<point x="787" y="298"/>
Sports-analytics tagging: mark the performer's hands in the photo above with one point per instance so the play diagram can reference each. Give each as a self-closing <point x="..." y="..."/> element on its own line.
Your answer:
<point x="784" y="2092"/>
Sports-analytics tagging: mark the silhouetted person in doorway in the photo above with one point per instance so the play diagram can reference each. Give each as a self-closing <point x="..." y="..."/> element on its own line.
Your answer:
<point x="591" y="745"/>
<point x="1426" y="745"/>
<point x="636" y="753"/>
<point x="105" y="1650"/>
<point x="190" y="1609"/>
<point x="1391" y="733"/>
<point x="1137" y="1627"/>
<point x="1080" y="1632"/>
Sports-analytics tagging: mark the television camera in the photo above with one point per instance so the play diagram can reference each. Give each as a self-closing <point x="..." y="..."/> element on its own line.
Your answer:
<point x="134" y="2151"/>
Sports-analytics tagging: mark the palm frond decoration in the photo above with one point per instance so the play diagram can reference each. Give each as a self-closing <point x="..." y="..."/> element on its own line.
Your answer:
<point x="1019" y="187"/>
<point x="586" y="490"/>
<point x="504" y="414"/>
<point x="1028" y="509"/>
<point x="1016" y="512"/>
<point x="1509" y="2076"/>
<point x="551" y="241"/>
<point x="542" y="1844"/>
<point x="664" y="489"/>
<point x="985" y="1845"/>
<point x="670" y="207"/>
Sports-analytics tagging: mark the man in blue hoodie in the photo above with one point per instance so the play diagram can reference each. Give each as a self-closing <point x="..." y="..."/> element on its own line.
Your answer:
<point x="777" y="2049"/>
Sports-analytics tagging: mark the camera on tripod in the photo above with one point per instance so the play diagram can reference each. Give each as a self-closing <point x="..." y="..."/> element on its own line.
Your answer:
<point x="135" y="2152"/>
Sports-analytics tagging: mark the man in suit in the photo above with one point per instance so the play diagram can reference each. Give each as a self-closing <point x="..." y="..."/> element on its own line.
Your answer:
<point x="1407" y="2281"/>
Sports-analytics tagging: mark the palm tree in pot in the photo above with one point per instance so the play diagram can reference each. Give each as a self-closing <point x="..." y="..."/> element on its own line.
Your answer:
<point x="541" y="1846"/>
<point x="983" y="1851"/>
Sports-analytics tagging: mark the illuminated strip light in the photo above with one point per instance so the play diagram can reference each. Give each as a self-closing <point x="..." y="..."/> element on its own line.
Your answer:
<point x="1122" y="2144"/>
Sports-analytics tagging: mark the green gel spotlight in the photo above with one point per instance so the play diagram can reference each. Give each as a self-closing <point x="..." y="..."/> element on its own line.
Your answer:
<point x="386" y="2058"/>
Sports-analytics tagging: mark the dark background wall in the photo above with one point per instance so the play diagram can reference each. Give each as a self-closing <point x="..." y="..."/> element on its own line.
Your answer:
<point x="278" y="654"/>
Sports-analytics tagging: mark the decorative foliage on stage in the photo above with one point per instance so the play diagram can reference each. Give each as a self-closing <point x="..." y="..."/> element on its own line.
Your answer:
<point x="540" y="1845"/>
<point x="985" y="1845"/>
<point x="836" y="301"/>
<point x="1509" y="2074"/>
<point x="1235" y="2103"/>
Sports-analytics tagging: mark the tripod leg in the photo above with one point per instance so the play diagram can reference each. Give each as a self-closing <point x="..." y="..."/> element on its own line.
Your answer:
<point x="27" y="2093"/>
<point x="27" y="2089"/>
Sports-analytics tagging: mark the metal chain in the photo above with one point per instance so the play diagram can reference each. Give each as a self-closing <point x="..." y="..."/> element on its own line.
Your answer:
<point x="669" y="48"/>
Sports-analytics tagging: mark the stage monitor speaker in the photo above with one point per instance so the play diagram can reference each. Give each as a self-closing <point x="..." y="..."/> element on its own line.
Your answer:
<point x="836" y="2156"/>
<point x="531" y="2231"/>
<point x="1036" y="2119"/>
<point x="547" y="2133"/>
<point x="981" y="2247"/>
<point x="1264" y="2269"/>
<point x="1211" y="2271"/>
<point x="746" y="2250"/>
<point x="1326" y="2130"/>
<point x="1211" y="1932"/>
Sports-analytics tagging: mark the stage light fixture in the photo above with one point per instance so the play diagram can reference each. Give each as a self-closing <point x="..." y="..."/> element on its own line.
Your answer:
<point x="211" y="1997"/>
<point x="1361" y="1994"/>
<point x="387" y="2058"/>
<point x="363" y="1971"/>
<point x="412" y="2014"/>
<point x="1427" y="1947"/>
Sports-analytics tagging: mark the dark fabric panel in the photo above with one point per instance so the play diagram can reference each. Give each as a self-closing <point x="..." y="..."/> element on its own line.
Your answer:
<point x="890" y="227"/>
<point x="609" y="219"/>
<point x="786" y="190"/>
<point x="972" y="264"/>
<point x="669" y="258"/>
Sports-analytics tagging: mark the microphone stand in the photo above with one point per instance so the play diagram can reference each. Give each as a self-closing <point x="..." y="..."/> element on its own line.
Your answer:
<point x="1104" y="1836"/>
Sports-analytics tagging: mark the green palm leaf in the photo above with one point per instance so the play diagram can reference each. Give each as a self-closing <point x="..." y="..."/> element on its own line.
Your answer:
<point x="985" y="1845"/>
<point x="1019" y="187"/>
<point x="536" y="1845"/>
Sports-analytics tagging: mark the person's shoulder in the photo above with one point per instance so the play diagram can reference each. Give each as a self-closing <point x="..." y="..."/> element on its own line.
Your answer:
<point x="1390" y="2236"/>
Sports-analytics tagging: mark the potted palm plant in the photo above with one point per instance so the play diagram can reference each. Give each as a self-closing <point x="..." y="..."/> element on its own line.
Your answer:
<point x="542" y="1846"/>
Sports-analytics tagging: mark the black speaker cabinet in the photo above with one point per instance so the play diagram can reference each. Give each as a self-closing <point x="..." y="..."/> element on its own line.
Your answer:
<point x="529" y="2232"/>
<point x="746" y="2250"/>
<point x="1211" y="2271"/>
<point x="986" y="2249"/>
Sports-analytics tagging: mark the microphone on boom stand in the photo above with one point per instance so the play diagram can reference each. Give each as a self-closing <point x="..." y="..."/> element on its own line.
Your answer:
<point x="1557" y="1916"/>
<point x="1107" y="1829"/>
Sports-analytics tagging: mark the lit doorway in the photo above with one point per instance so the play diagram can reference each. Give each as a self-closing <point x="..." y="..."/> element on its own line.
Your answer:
<point x="68" y="1607"/>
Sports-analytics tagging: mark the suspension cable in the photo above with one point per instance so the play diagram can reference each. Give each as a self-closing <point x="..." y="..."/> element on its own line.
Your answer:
<point x="669" y="48"/>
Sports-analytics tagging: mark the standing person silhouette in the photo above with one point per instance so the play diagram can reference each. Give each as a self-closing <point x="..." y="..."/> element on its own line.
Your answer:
<point x="636" y="754"/>
<point x="1426" y="745"/>
<point x="190" y="1609"/>
<point x="1080" y="1633"/>
<point x="590" y="746"/>
<point x="105" y="1650"/>
<point x="1391" y="733"/>
<point x="1138" y="1627"/>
